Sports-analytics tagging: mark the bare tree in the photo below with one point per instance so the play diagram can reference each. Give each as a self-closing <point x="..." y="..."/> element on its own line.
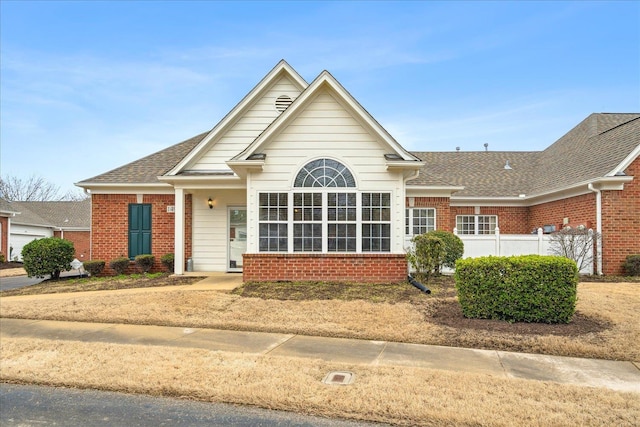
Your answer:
<point x="33" y="189"/>
<point x="575" y="243"/>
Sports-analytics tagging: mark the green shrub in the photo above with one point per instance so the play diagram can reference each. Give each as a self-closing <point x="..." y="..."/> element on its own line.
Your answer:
<point x="94" y="267"/>
<point x="168" y="261"/>
<point x="50" y="255"/>
<point x="453" y="247"/>
<point x="426" y="255"/>
<point x="119" y="265"/>
<point x="2" y="258"/>
<point x="529" y="288"/>
<point x="632" y="265"/>
<point x="145" y="262"/>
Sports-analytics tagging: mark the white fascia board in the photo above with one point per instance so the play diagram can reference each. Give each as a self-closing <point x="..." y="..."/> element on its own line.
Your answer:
<point x="129" y="188"/>
<point x="239" y="109"/>
<point x="31" y="224"/>
<point x="404" y="165"/>
<point x="626" y="162"/>
<point x="325" y="79"/>
<point x="488" y="201"/>
<point x="431" y="191"/>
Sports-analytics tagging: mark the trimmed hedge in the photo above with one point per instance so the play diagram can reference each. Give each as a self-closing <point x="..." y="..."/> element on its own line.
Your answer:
<point x="453" y="247"/>
<point x="529" y="288"/>
<point x="94" y="267"/>
<point x="168" y="261"/>
<point x="119" y="265"/>
<point x="50" y="255"/>
<point x="145" y="262"/>
<point x="632" y="265"/>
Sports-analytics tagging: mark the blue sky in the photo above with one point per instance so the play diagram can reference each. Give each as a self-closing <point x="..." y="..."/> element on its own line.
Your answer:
<point x="89" y="86"/>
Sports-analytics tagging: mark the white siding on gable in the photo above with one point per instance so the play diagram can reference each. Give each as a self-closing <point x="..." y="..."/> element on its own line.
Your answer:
<point x="247" y="128"/>
<point x="325" y="129"/>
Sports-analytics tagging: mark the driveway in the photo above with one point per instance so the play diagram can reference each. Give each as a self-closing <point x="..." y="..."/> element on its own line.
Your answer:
<point x="15" y="282"/>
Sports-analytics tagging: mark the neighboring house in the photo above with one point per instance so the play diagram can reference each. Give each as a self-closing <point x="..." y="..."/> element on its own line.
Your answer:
<point x="70" y="220"/>
<point x="7" y="213"/>
<point x="299" y="182"/>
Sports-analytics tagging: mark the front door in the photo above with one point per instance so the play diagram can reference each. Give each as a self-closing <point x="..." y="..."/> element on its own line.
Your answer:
<point x="237" y="237"/>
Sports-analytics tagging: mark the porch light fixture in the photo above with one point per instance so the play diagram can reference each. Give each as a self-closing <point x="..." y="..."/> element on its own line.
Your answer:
<point x="210" y="203"/>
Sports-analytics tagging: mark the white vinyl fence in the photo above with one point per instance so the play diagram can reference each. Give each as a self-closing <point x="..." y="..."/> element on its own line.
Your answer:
<point x="507" y="245"/>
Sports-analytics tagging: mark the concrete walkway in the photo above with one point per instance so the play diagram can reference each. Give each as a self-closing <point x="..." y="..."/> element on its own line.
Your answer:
<point x="621" y="376"/>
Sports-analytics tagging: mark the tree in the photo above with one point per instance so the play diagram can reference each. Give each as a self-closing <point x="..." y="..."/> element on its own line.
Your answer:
<point x="33" y="189"/>
<point x="427" y="254"/>
<point x="576" y="244"/>
<point x="453" y="248"/>
<point x="50" y="255"/>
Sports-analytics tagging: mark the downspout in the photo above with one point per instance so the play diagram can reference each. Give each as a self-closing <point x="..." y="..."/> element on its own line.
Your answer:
<point x="88" y="193"/>
<point x="598" y="226"/>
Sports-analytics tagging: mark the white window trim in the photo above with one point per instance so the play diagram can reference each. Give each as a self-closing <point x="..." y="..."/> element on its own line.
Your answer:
<point x="325" y="221"/>
<point x="476" y="225"/>
<point x="409" y="217"/>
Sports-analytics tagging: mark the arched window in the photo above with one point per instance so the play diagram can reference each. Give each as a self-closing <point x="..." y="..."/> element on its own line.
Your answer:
<point x="324" y="173"/>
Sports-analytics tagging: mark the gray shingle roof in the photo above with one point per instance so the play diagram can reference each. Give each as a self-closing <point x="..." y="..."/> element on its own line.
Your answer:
<point x="147" y="169"/>
<point x="63" y="214"/>
<point x="590" y="150"/>
<point x="7" y="207"/>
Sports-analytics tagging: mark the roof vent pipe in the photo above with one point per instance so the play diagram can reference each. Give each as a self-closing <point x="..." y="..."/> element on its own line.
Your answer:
<point x="486" y="146"/>
<point x="507" y="166"/>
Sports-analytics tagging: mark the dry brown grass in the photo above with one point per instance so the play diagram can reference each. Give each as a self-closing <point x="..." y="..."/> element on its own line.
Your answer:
<point x="605" y="327"/>
<point x="397" y="395"/>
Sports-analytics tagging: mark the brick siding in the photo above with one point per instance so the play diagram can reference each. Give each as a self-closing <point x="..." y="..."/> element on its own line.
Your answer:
<point x="109" y="219"/>
<point x="367" y="268"/>
<point x="441" y="205"/>
<point x="621" y="222"/>
<point x="580" y="210"/>
<point x="81" y="242"/>
<point x="4" y="224"/>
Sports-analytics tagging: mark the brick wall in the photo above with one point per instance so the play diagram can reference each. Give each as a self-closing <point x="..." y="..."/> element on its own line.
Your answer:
<point x="621" y="222"/>
<point x="368" y="268"/>
<point x="581" y="210"/>
<point x="4" y="228"/>
<point x="109" y="219"/>
<point x="81" y="242"/>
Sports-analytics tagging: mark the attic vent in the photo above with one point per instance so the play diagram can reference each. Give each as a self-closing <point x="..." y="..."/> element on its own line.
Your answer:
<point x="283" y="102"/>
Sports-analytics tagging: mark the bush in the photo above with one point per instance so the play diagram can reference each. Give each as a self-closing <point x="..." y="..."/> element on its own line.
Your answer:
<point x="145" y="262"/>
<point x="453" y="247"/>
<point x="168" y="261"/>
<point x="529" y="288"/>
<point x="2" y="258"/>
<point x="94" y="267"/>
<point x="50" y="255"/>
<point x="119" y="265"/>
<point x="632" y="265"/>
<point x="426" y="255"/>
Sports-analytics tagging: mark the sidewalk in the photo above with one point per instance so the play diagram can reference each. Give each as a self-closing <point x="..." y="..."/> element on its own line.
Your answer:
<point x="620" y="376"/>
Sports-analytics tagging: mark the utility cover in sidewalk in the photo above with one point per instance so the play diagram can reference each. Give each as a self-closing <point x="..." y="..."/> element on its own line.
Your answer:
<point x="339" y="378"/>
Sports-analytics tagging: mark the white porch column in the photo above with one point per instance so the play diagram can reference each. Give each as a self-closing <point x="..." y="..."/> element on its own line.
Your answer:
<point x="178" y="251"/>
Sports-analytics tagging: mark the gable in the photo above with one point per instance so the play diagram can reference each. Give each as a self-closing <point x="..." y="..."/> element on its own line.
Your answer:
<point x="246" y="128"/>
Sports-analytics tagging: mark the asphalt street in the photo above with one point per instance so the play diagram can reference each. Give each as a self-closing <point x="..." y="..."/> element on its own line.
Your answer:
<point x="28" y="405"/>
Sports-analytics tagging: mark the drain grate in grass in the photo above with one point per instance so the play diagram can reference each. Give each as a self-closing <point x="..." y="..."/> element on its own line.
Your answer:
<point x="339" y="378"/>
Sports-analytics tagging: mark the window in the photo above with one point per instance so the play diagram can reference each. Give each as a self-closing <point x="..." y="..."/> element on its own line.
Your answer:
<point x="419" y="221"/>
<point x="317" y="218"/>
<point x="476" y="224"/>
<point x="341" y="227"/>
<point x="376" y="222"/>
<point x="139" y="229"/>
<point x="273" y="224"/>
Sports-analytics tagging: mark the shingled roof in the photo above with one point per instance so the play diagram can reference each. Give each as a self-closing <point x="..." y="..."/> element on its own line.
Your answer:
<point x="589" y="151"/>
<point x="61" y="214"/>
<point x="147" y="169"/>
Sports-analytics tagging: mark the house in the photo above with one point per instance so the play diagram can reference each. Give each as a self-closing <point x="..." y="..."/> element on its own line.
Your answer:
<point x="299" y="182"/>
<point x="23" y="222"/>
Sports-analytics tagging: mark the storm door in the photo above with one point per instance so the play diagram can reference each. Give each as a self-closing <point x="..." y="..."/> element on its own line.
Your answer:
<point x="237" y="221"/>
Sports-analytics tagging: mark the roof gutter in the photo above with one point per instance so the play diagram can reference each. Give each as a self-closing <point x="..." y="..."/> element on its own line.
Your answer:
<point x="598" y="226"/>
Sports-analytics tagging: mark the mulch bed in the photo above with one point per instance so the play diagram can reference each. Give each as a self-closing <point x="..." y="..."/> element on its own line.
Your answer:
<point x="449" y="313"/>
<point x="10" y="264"/>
